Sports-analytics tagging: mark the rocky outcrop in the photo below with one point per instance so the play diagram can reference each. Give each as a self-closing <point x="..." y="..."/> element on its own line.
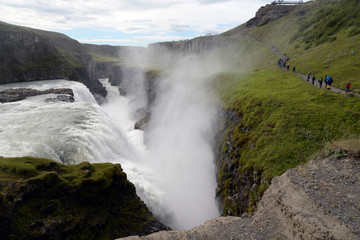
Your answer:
<point x="320" y="200"/>
<point x="17" y="94"/>
<point x="43" y="199"/>
<point x="269" y="13"/>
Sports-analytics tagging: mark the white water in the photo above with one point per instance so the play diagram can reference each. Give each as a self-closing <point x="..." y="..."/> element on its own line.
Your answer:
<point x="174" y="174"/>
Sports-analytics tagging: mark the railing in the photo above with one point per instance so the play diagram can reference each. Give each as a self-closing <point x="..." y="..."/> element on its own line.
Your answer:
<point x="282" y="2"/>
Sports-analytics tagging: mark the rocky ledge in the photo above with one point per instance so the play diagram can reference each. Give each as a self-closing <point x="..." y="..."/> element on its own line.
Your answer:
<point x="320" y="200"/>
<point x="269" y="13"/>
<point x="43" y="199"/>
<point x="17" y="94"/>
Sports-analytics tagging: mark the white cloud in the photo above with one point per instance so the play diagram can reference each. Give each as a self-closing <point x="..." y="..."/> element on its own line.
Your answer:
<point x="136" y="16"/>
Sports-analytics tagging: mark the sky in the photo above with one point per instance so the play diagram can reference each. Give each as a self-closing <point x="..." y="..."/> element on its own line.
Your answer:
<point x="130" y="22"/>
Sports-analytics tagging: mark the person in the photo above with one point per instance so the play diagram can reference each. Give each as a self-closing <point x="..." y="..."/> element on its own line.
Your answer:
<point x="327" y="81"/>
<point x="294" y="69"/>
<point x="313" y="79"/>
<point x="348" y="87"/>
<point x="320" y="82"/>
<point x="308" y="76"/>
<point x="288" y="67"/>
<point x="330" y="81"/>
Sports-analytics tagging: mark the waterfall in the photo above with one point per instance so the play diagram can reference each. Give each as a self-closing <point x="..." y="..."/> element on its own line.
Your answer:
<point x="174" y="173"/>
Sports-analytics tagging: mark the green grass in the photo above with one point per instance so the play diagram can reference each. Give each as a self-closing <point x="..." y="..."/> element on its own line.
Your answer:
<point x="284" y="122"/>
<point x="286" y="118"/>
<point x="98" y="57"/>
<point x="324" y="40"/>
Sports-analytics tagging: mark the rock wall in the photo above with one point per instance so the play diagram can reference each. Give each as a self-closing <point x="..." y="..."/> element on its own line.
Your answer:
<point x="235" y="191"/>
<point x="269" y="13"/>
<point x="131" y="81"/>
<point x="196" y="45"/>
<point x="26" y="57"/>
<point x="29" y="54"/>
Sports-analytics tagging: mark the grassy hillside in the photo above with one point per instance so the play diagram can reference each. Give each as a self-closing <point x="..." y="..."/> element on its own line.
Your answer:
<point x="320" y="36"/>
<point x="285" y="120"/>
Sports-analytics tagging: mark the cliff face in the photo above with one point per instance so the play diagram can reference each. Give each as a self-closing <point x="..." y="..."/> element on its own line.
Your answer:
<point x="29" y="54"/>
<point x="234" y="190"/>
<point x="195" y="45"/>
<point x="26" y="57"/>
<point x="269" y="13"/>
<point x="43" y="199"/>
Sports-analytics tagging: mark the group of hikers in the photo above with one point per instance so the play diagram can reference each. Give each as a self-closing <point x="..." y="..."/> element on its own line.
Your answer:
<point x="282" y="64"/>
<point x="328" y="80"/>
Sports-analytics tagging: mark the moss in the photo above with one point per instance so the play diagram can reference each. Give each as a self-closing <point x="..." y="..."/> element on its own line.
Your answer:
<point x="46" y="199"/>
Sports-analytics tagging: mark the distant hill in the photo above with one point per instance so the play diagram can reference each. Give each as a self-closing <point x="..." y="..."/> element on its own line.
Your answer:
<point x="28" y="54"/>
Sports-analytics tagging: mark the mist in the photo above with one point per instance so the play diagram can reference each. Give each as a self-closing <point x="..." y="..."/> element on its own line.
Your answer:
<point x="179" y="140"/>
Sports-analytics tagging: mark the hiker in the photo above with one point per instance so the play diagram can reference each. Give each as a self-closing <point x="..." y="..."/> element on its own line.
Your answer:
<point x="327" y="78"/>
<point x="308" y="76"/>
<point x="320" y="82"/>
<point x="330" y="81"/>
<point x="348" y="87"/>
<point x="294" y="69"/>
<point x="288" y="67"/>
<point x="313" y="79"/>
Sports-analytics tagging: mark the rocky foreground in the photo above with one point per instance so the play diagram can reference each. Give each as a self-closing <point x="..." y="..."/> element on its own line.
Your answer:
<point x="320" y="200"/>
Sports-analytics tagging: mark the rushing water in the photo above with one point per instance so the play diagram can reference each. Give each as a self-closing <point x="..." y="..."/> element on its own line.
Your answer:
<point x="173" y="173"/>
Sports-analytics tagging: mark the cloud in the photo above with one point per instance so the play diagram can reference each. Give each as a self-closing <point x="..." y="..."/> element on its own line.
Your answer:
<point x="179" y="27"/>
<point x="137" y="16"/>
<point x="211" y="1"/>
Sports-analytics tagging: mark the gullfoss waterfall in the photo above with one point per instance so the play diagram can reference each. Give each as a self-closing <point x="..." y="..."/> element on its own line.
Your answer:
<point x="173" y="172"/>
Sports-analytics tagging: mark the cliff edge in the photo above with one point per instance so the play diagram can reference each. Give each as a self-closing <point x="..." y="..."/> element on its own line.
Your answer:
<point x="43" y="199"/>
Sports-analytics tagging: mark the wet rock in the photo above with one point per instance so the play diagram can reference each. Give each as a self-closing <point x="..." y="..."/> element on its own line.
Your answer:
<point x="17" y="94"/>
<point x="60" y="98"/>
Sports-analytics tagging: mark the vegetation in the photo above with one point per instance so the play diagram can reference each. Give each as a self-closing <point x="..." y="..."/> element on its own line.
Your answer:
<point x="40" y="199"/>
<point x="319" y="36"/>
<point x="284" y="120"/>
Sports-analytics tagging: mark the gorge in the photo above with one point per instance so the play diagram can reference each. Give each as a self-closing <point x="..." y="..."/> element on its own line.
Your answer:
<point x="201" y="127"/>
